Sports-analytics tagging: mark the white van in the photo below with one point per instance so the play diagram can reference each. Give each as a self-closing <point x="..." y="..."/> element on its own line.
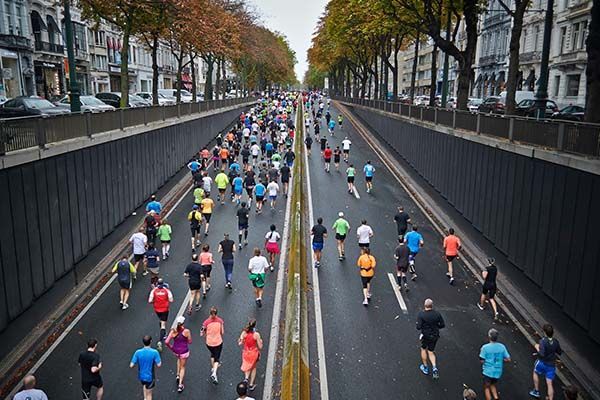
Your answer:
<point x="519" y="96"/>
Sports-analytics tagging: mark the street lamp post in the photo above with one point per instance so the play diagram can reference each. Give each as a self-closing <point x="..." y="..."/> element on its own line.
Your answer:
<point x="541" y="94"/>
<point x="73" y="86"/>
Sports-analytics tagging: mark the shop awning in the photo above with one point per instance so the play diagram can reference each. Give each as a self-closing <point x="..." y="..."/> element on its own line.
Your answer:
<point x="52" y="23"/>
<point x="37" y="23"/>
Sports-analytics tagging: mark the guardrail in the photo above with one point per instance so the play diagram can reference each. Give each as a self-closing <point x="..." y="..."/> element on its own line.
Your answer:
<point x="573" y="137"/>
<point x="25" y="132"/>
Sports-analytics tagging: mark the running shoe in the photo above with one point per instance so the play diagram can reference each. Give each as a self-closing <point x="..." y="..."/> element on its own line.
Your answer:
<point x="213" y="379"/>
<point x="251" y="387"/>
<point x="159" y="347"/>
<point x="272" y="268"/>
<point x="365" y="302"/>
<point x="480" y="306"/>
<point x="424" y="369"/>
<point x="198" y="307"/>
<point x="496" y="317"/>
<point x="145" y="273"/>
<point x="448" y="275"/>
<point x="436" y="373"/>
<point x="125" y="306"/>
<point x="240" y="246"/>
<point x="180" y="388"/>
<point x="451" y="281"/>
<point x="245" y="243"/>
<point x="406" y="287"/>
<point x="534" y="393"/>
<point x="259" y="303"/>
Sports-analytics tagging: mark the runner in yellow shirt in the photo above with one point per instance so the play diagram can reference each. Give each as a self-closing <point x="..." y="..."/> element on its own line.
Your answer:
<point x="221" y="180"/>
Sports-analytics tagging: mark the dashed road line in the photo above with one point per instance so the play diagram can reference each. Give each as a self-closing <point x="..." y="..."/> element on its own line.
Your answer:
<point x="397" y="293"/>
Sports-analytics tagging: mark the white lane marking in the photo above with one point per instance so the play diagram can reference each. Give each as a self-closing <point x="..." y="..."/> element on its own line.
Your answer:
<point x="355" y="192"/>
<point x="317" y="298"/>
<point x="274" y="337"/>
<point x="73" y="323"/>
<point x="397" y="293"/>
<point x="186" y="301"/>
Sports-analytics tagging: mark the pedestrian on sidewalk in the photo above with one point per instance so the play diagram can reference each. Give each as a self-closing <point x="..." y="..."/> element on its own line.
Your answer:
<point x="164" y="235"/>
<point x="257" y="268"/>
<point x="138" y="243"/>
<point x="195" y="219"/>
<point x="401" y="255"/>
<point x="451" y="247"/>
<point x="366" y="263"/>
<point x="206" y="262"/>
<point x="548" y="349"/>
<point x="492" y="355"/>
<point x="252" y="344"/>
<point x="429" y="322"/>
<point x="146" y="359"/>
<point x="161" y="298"/>
<point x="125" y="272"/>
<point x="193" y="272"/>
<point x="90" y="364"/>
<point x="341" y="228"/>
<point x="29" y="391"/>
<point x="227" y="248"/>
<point x="414" y="242"/>
<point x="213" y="331"/>
<point x="319" y="233"/>
<point x="488" y="291"/>
<point x="272" y="245"/>
<point x="364" y="233"/>
<point x="182" y="338"/>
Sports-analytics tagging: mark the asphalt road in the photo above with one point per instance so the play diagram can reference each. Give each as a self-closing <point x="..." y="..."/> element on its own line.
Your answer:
<point x="373" y="352"/>
<point x="120" y="332"/>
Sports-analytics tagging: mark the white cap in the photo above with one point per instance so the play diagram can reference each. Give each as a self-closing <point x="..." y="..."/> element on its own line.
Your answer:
<point x="340" y="214"/>
<point x="180" y="320"/>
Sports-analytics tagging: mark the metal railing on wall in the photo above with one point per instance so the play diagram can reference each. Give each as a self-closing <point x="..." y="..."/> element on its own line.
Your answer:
<point x="25" y="132"/>
<point x="573" y="137"/>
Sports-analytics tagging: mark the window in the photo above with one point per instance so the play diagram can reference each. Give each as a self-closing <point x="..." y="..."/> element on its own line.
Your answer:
<point x="563" y="39"/>
<point x="100" y="38"/>
<point x="524" y="40"/>
<point x="573" y="85"/>
<point x="575" y="36"/>
<point x="556" y="85"/>
<point x="536" y="37"/>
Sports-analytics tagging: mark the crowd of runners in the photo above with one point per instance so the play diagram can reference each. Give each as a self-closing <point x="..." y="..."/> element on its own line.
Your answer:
<point x="250" y="168"/>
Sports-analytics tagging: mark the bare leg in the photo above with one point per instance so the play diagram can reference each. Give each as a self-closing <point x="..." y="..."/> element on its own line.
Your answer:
<point x="432" y="358"/>
<point x="550" y="389"/>
<point x="182" y="363"/>
<point x="424" y="357"/>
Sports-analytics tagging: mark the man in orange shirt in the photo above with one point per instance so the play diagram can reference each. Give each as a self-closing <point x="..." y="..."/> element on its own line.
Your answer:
<point x="366" y="262"/>
<point x="224" y="154"/>
<point x="451" y="248"/>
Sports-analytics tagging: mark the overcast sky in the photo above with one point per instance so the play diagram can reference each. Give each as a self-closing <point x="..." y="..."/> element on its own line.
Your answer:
<point x="296" y="19"/>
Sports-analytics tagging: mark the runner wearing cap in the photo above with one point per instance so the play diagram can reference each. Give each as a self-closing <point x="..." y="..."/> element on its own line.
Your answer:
<point x="181" y="337"/>
<point x="124" y="270"/>
<point x="341" y="228"/>
<point x="160" y="298"/>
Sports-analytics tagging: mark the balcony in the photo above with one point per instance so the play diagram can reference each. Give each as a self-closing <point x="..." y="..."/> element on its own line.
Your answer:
<point x="15" y="41"/>
<point x="81" y="54"/>
<point x="492" y="59"/>
<point x="530" y="57"/>
<point x="47" y="47"/>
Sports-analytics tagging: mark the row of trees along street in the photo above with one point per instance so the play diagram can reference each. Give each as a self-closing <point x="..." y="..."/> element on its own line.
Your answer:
<point x="358" y="41"/>
<point x="221" y="32"/>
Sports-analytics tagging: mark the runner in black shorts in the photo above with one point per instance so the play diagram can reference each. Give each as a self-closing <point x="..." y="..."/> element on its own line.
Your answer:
<point x="89" y="361"/>
<point x="429" y="322"/>
<point x="249" y="183"/>
<point x="308" y="141"/>
<point x="243" y="215"/>
<point x="488" y="291"/>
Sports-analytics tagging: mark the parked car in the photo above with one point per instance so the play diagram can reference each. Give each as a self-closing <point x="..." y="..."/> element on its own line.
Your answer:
<point x="421" y="100"/>
<point x="520" y="95"/>
<point x="528" y="108"/>
<point x="200" y="96"/>
<point x="88" y="104"/>
<point x="114" y="99"/>
<point x="473" y="104"/>
<point x="570" y="113"/>
<point x="24" y="106"/>
<point x="451" y="103"/>
<point x="162" y="99"/>
<point x="492" y="105"/>
<point x="186" y="97"/>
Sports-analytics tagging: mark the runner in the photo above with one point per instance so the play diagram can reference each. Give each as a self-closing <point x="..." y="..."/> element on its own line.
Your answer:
<point x="224" y="156"/>
<point x="350" y="173"/>
<point x="207" y="209"/>
<point x="193" y="272"/>
<point x="198" y="195"/>
<point x="331" y="126"/>
<point x="257" y="266"/>
<point x="285" y="178"/>
<point x="243" y="216"/>
<point x="252" y="344"/>
<point x="138" y="243"/>
<point x="366" y="264"/>
<point x="340" y="120"/>
<point x="429" y="322"/>
<point x="369" y="170"/>
<point x="273" y="189"/>
<point x="402" y="220"/>
<point x="308" y="142"/>
<point x="364" y="233"/>
<point x="195" y="219"/>
<point x="451" y="247"/>
<point x="414" y="242"/>
<point x="146" y="360"/>
<point x="151" y="263"/>
<point x="160" y="298"/>
<point x="206" y="262"/>
<point x="255" y="151"/>
<point x="194" y="166"/>
<point x="276" y="160"/>
<point x="269" y="150"/>
<point x="29" y="391"/>
<point x="216" y="155"/>
<point x="204" y="155"/>
<point x="323" y="144"/>
<point x="289" y="158"/>
<point x="245" y="155"/>
<point x="221" y="180"/>
<point x="213" y="330"/>
<point x="227" y="248"/>
<point x="337" y="154"/>
<point x="151" y="225"/>
<point x="341" y="228"/>
<point x="238" y="188"/>
<point x="259" y="193"/>
<point x="401" y="256"/>
<point x="548" y="349"/>
<point x="271" y="245"/>
<point x="90" y="364"/>
<point x="346" y="143"/>
<point x="493" y="355"/>
<point x="319" y="233"/>
<point x="249" y="183"/>
<point x="164" y="235"/>
<point x="182" y="338"/>
<point x="153" y="205"/>
<point x="327" y="157"/>
<point x="125" y="271"/>
<point x="488" y="291"/>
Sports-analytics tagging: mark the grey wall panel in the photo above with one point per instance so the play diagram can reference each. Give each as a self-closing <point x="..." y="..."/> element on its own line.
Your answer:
<point x="33" y="231"/>
<point x="9" y="256"/>
<point x="105" y="187"/>
<point x="81" y="193"/>
<point x="65" y="215"/>
<point x="89" y="196"/>
<point x="44" y="224"/>
<point x="75" y="224"/>
<point x="96" y="192"/>
<point x="543" y="216"/>
<point x="54" y="207"/>
<point x="4" y="317"/>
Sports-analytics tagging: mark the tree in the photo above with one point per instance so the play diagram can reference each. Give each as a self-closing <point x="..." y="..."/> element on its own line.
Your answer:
<point x="592" y="73"/>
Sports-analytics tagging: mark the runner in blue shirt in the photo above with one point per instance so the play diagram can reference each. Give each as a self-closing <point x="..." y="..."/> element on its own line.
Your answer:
<point x="493" y="355"/>
<point x="259" y="193"/>
<point x="331" y="126"/>
<point x="369" y="170"/>
<point x="194" y="166"/>
<point x="153" y="205"/>
<point x="238" y="186"/>
<point x="414" y="242"/>
<point x="269" y="150"/>
<point x="146" y="359"/>
<point x="235" y="167"/>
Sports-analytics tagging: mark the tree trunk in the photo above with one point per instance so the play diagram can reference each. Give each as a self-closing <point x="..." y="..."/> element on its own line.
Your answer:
<point x="224" y="75"/>
<point x="433" y="80"/>
<point x="386" y="79"/>
<point x="592" y="74"/>
<point x="348" y="92"/>
<point x="208" y="86"/>
<point x="414" y="69"/>
<point x="395" y="81"/>
<point x="514" y="49"/>
<point x="155" y="69"/>
<point x="218" y="80"/>
<point x="376" y="79"/>
<point x="125" y="67"/>
<point x="179" y="74"/>
<point x="193" y="67"/>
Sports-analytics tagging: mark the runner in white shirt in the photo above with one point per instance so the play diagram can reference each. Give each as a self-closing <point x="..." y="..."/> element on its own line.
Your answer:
<point x="273" y="189"/>
<point x="346" y="143"/>
<point x="257" y="266"/>
<point x="364" y="233"/>
<point x="138" y="241"/>
<point x="206" y="184"/>
<point x="255" y="151"/>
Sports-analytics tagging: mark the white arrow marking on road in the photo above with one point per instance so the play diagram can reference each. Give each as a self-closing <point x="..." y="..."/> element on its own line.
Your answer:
<point x="397" y="293"/>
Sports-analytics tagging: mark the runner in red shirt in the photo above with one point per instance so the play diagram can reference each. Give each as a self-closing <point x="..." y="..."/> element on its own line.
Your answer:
<point x="327" y="156"/>
<point x="451" y="248"/>
<point x="161" y="297"/>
